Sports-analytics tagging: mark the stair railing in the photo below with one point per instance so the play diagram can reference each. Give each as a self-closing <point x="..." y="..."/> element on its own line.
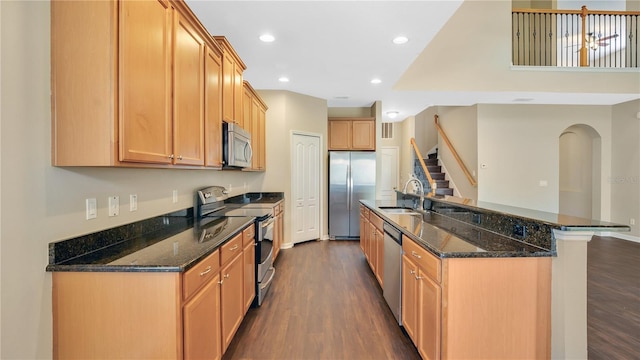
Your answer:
<point x="424" y="166"/>
<point x="569" y="38"/>
<point x="444" y="137"/>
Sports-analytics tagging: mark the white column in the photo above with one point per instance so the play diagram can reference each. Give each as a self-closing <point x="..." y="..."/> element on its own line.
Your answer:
<point x="569" y="295"/>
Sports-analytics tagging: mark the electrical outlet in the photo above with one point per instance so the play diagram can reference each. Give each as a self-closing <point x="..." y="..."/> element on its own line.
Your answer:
<point x="114" y="205"/>
<point x="91" y="208"/>
<point x="133" y="202"/>
<point x="632" y="221"/>
<point x="175" y="196"/>
<point x="519" y="230"/>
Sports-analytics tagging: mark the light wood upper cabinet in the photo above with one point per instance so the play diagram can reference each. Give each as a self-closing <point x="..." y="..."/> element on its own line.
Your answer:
<point x="339" y="134"/>
<point x="352" y="134"/>
<point x="254" y="121"/>
<point x="232" y="84"/>
<point x="188" y="93"/>
<point x="129" y="86"/>
<point x="213" y="107"/>
<point x="145" y="96"/>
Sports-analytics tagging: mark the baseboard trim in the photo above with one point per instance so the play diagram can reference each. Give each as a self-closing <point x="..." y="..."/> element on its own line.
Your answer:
<point x="619" y="235"/>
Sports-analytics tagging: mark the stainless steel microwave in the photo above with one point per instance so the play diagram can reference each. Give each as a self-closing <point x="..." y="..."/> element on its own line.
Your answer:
<point x="236" y="146"/>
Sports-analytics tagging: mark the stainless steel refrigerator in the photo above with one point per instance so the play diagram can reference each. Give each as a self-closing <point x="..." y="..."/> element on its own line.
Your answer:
<point x="352" y="177"/>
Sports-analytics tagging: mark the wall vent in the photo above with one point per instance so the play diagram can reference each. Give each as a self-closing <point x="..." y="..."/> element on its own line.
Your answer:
<point x="387" y="130"/>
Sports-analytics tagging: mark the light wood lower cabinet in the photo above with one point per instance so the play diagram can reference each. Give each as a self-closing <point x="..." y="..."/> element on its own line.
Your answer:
<point x="231" y="298"/>
<point x="155" y="315"/>
<point x="278" y="229"/>
<point x="202" y="338"/>
<point x="249" y="261"/>
<point x="486" y="308"/>
<point x="372" y="241"/>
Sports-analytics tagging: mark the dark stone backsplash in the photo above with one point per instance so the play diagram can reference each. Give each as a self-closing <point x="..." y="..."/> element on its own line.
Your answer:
<point x="66" y="250"/>
<point x="529" y="232"/>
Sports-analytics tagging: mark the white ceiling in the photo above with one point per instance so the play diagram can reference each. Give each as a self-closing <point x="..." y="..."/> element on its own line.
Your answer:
<point x="333" y="49"/>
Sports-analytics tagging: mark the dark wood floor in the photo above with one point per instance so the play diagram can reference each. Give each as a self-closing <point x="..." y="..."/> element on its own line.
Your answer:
<point x="613" y="299"/>
<point x="324" y="303"/>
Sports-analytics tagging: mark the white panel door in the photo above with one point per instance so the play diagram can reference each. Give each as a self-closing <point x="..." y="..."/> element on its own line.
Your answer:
<point x="306" y="188"/>
<point x="389" y="173"/>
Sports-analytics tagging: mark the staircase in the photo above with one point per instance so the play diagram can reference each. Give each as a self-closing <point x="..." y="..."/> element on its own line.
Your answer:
<point x="435" y="170"/>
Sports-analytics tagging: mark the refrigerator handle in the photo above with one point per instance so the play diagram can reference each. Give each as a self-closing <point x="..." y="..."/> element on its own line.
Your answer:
<point x="350" y="188"/>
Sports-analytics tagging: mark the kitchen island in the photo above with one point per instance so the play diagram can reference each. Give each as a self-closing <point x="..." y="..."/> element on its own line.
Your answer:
<point x="500" y="284"/>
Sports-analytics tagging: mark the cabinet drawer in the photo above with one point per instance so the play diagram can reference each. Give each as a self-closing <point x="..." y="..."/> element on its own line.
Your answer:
<point x="200" y="274"/>
<point x="376" y="221"/>
<point x="422" y="258"/>
<point x="248" y="235"/>
<point x="231" y="249"/>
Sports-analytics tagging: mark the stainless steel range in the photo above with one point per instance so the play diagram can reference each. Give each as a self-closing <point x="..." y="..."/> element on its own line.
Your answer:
<point x="210" y="204"/>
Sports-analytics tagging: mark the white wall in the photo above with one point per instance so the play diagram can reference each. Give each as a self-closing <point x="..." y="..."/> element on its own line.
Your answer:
<point x="460" y="126"/>
<point x="520" y="146"/>
<point x="289" y="112"/>
<point x="624" y="179"/>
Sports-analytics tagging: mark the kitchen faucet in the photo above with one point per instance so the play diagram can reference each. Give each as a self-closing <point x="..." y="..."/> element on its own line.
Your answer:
<point x="416" y="180"/>
<point x="413" y="178"/>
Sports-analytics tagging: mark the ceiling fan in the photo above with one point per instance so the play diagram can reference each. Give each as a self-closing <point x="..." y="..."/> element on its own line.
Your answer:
<point x="594" y="41"/>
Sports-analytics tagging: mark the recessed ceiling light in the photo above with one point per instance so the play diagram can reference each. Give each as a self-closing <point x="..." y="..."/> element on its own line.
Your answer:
<point x="376" y="81"/>
<point x="399" y="40"/>
<point x="283" y="79"/>
<point x="267" y="38"/>
<point x="392" y="114"/>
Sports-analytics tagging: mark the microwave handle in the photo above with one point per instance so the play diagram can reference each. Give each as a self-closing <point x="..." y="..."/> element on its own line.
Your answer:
<point x="250" y="150"/>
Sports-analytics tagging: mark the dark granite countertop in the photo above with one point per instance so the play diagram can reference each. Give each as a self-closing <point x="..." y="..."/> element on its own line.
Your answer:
<point x="449" y="238"/>
<point x="557" y="221"/>
<point x="167" y="243"/>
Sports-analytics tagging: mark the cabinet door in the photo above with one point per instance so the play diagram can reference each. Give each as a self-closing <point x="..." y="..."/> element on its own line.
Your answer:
<point x="202" y="323"/>
<point x="363" y="135"/>
<point x="363" y="228"/>
<point x="262" y="145"/>
<point x="429" y="305"/>
<point x="380" y="256"/>
<point x="188" y="94"/>
<point x="227" y="88"/>
<point x="254" y="119"/>
<point x="373" y="248"/>
<point x="409" y="298"/>
<point x="237" y="95"/>
<point x="232" y="306"/>
<point x="145" y="81"/>
<point x="249" y="261"/>
<point x="213" y="109"/>
<point x="339" y="134"/>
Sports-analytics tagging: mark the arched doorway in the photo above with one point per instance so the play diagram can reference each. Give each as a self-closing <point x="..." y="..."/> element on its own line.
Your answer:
<point x="580" y="172"/>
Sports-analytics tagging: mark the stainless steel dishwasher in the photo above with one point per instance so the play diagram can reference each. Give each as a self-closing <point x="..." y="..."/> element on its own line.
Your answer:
<point x="392" y="276"/>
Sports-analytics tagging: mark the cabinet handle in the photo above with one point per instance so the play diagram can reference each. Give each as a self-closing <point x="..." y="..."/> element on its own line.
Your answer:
<point x="418" y="277"/>
<point x="206" y="271"/>
<point x="226" y="276"/>
<point x="234" y="247"/>
<point x="179" y="157"/>
<point x="220" y="282"/>
<point x="171" y="156"/>
<point x="415" y="254"/>
<point x="411" y="272"/>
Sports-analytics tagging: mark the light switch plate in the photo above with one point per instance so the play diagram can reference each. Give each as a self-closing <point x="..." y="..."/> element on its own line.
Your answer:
<point x="91" y="208"/>
<point x="114" y="205"/>
<point x="133" y="202"/>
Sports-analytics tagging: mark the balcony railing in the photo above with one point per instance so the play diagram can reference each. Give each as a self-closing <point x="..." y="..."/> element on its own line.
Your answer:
<point x="571" y="38"/>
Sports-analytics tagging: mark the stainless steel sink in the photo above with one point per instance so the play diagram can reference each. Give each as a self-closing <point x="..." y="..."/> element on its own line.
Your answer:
<point x="395" y="210"/>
